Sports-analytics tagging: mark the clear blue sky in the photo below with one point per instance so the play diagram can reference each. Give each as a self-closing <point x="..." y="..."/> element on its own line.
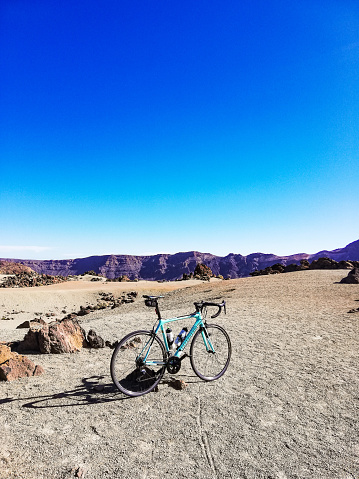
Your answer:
<point x="139" y="127"/>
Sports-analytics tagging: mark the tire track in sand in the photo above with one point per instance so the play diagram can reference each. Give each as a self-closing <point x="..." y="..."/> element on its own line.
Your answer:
<point x="204" y="441"/>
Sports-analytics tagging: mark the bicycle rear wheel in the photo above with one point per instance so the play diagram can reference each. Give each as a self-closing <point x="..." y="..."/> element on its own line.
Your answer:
<point x="138" y="363"/>
<point x="210" y="352"/>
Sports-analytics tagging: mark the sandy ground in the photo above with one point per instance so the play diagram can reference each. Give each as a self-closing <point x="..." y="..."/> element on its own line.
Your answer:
<point x="286" y="408"/>
<point x="20" y="304"/>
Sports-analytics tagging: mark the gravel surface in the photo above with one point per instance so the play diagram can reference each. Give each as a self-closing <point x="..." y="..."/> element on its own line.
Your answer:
<point x="286" y="408"/>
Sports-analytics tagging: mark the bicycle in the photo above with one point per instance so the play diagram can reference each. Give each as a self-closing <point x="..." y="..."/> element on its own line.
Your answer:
<point x="140" y="359"/>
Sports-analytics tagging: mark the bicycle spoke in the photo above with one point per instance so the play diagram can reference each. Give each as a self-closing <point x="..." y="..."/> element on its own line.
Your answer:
<point x="211" y="364"/>
<point x="129" y="370"/>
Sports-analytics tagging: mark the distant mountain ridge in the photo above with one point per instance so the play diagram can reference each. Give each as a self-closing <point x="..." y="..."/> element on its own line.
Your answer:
<point x="172" y="266"/>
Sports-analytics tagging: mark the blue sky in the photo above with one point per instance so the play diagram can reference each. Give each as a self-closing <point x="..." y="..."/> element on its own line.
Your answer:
<point x="140" y="127"/>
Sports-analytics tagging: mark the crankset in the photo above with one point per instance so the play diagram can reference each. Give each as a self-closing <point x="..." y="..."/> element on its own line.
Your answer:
<point x="173" y="365"/>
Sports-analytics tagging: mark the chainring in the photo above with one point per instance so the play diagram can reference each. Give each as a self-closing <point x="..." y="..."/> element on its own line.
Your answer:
<point x="173" y="365"/>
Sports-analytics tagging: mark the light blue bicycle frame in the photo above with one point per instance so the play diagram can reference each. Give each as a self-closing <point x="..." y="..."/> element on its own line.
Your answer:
<point x="160" y="326"/>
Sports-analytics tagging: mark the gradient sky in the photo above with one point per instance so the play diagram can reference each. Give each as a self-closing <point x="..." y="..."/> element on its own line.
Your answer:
<point x="140" y="127"/>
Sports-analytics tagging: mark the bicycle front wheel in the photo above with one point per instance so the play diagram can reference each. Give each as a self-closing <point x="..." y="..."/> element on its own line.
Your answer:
<point x="138" y="363"/>
<point x="210" y="352"/>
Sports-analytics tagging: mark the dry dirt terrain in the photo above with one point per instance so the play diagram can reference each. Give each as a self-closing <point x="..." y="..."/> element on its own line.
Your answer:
<point x="20" y="304"/>
<point x="286" y="408"/>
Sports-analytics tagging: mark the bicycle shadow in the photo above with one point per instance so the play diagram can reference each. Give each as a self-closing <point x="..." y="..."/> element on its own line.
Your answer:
<point x="90" y="392"/>
<point x="93" y="391"/>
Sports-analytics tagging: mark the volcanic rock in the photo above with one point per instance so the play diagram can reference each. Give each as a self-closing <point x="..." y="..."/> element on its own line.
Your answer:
<point x="178" y="384"/>
<point x="25" y="324"/>
<point x="94" y="340"/>
<point x="352" y="278"/>
<point x="202" y="271"/>
<point x="9" y="267"/>
<point x="31" y="279"/>
<point x="66" y="336"/>
<point x="30" y="341"/>
<point x="5" y="353"/>
<point x="15" y="366"/>
<point x="324" y="263"/>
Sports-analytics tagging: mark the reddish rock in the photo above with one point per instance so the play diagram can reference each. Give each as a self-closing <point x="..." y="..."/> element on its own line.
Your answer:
<point x="5" y="353"/>
<point x="14" y="366"/>
<point x="66" y="336"/>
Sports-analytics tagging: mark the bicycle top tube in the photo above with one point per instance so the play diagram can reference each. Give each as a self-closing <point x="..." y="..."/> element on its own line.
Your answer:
<point x="162" y="322"/>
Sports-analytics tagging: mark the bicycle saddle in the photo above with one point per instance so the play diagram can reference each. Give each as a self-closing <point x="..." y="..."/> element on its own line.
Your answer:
<point x="151" y="301"/>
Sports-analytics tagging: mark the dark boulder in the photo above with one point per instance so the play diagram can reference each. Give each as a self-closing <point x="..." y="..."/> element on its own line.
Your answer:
<point x="292" y="267"/>
<point x="352" y="278"/>
<point x="324" y="263"/>
<point x="29" y="343"/>
<point x="94" y="340"/>
<point x="345" y="265"/>
<point x="25" y="324"/>
<point x="304" y="263"/>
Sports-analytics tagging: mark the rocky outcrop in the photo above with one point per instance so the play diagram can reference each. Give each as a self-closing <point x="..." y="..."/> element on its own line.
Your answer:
<point x="174" y="266"/>
<point x="9" y="267"/>
<point x="65" y="336"/>
<point x="329" y="263"/>
<point x="61" y="337"/>
<point x="352" y="278"/>
<point x="14" y="366"/>
<point x="25" y="280"/>
<point x="320" y="263"/>
<point x="203" y="272"/>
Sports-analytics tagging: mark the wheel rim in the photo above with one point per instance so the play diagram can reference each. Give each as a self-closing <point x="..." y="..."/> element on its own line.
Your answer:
<point x="130" y="372"/>
<point x="206" y="364"/>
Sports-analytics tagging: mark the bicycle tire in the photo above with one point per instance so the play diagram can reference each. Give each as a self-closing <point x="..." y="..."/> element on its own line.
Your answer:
<point x="128" y="374"/>
<point x="209" y="365"/>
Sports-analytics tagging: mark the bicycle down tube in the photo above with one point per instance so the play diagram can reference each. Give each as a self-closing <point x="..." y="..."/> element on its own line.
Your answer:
<point x="198" y="323"/>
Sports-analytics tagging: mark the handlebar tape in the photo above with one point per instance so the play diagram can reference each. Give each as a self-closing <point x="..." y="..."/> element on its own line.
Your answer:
<point x="219" y="306"/>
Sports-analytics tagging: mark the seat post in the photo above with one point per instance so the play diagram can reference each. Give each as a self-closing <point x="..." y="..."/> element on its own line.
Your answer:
<point x="157" y="309"/>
